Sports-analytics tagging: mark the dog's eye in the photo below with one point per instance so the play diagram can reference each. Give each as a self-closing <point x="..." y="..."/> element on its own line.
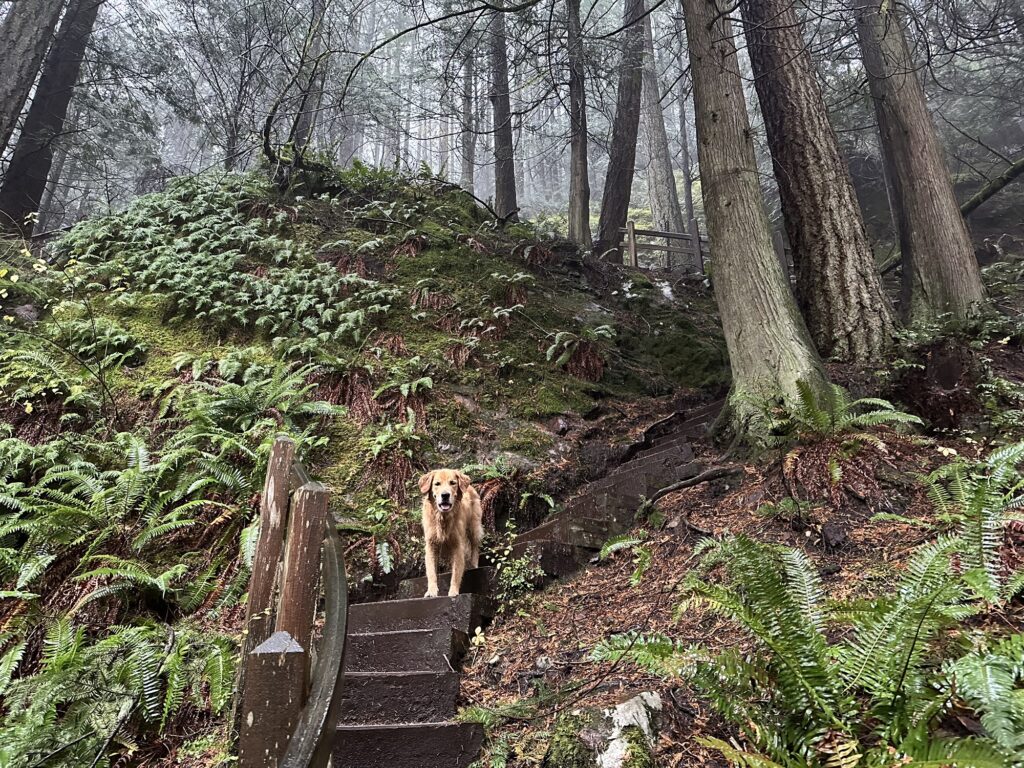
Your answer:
<point x="451" y="482"/>
<point x="438" y="482"/>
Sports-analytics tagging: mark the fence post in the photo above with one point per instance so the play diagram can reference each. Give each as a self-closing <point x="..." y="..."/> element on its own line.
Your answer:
<point x="273" y="518"/>
<point x="631" y="243"/>
<point x="259" y="611"/>
<point x="697" y="250"/>
<point x="275" y="677"/>
<point x="298" y="601"/>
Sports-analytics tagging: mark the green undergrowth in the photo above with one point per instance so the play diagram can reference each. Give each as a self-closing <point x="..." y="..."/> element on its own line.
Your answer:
<point x="150" y="357"/>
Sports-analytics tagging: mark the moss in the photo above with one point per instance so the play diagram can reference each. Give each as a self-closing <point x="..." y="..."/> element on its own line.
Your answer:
<point x="527" y="441"/>
<point x="565" y="750"/>
<point x="640" y="755"/>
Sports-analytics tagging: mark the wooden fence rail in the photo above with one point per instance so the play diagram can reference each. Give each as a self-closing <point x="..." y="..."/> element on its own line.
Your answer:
<point x="286" y="714"/>
<point x="693" y="253"/>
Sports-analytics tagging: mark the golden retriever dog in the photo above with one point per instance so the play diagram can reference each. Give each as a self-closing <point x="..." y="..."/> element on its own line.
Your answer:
<point x="452" y="525"/>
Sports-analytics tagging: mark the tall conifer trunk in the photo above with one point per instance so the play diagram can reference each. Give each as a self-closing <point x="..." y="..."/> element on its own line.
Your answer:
<point x="940" y="271"/>
<point x="25" y="35"/>
<point x="838" y="285"/>
<point x="579" y="173"/>
<point x="770" y="350"/>
<point x="504" y="163"/>
<point x="25" y="180"/>
<point x="622" y="153"/>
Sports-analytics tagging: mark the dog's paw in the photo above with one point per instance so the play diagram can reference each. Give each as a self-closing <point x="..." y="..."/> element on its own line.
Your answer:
<point x="431" y="592"/>
<point x="453" y="593"/>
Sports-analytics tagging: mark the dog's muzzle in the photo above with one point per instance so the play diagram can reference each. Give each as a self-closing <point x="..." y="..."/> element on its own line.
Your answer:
<point x="445" y="503"/>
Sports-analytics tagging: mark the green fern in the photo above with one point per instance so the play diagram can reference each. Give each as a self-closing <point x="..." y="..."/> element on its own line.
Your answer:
<point x="830" y="413"/>
<point x="798" y="699"/>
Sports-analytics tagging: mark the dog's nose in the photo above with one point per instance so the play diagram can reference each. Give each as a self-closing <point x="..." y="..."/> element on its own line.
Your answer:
<point x="445" y="496"/>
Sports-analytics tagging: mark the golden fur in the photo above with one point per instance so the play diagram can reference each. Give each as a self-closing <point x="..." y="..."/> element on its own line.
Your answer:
<point x="452" y="525"/>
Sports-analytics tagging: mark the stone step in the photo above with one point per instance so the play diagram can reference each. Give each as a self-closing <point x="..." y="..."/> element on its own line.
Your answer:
<point x="478" y="581"/>
<point x="416" y="650"/>
<point x="463" y="613"/>
<point x="411" y="745"/>
<point x="398" y="697"/>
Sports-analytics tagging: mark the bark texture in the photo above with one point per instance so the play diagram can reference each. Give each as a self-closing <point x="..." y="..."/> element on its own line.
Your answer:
<point x="838" y="286"/>
<point x="25" y="34"/>
<point x="468" y="127"/>
<point x="579" y="178"/>
<point x="504" y="165"/>
<point x="622" y="153"/>
<point x="25" y="181"/>
<point x="661" y="181"/>
<point x="769" y="347"/>
<point x="940" y="271"/>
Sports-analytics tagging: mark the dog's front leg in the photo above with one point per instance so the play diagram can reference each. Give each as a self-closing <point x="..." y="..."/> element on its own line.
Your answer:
<point x="458" y="568"/>
<point x="431" y="571"/>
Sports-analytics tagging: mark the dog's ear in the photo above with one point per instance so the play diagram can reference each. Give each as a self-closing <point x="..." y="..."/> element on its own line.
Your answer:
<point x="425" y="482"/>
<point x="464" y="481"/>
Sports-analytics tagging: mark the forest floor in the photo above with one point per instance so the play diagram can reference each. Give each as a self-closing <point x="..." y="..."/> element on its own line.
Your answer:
<point x="535" y="665"/>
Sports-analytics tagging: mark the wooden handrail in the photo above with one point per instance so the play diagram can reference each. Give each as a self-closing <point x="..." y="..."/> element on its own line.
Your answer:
<point x="310" y="746"/>
<point x="656" y="233"/>
<point x="298" y="546"/>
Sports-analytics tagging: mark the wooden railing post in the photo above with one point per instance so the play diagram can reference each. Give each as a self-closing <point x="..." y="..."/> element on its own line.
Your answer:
<point x="273" y="519"/>
<point x="631" y="243"/>
<point x="275" y="674"/>
<point x="697" y="250"/>
<point x="298" y="601"/>
<point x="259" y="611"/>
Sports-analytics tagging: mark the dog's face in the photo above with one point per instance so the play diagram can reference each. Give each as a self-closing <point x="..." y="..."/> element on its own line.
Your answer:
<point x="444" y="487"/>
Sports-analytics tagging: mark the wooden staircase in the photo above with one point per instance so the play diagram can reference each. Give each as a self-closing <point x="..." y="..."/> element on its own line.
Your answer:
<point x="401" y="684"/>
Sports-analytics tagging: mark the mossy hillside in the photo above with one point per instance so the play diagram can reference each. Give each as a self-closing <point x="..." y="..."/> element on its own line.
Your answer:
<point x="391" y="283"/>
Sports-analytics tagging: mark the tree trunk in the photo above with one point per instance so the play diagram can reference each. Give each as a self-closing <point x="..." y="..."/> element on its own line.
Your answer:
<point x="579" y="177"/>
<point x="686" y="157"/>
<point x="940" y="270"/>
<point x="25" y="180"/>
<point x="770" y="350"/>
<point x="661" y="181"/>
<point x="312" y="93"/>
<point x="50" y="191"/>
<point x="838" y="286"/>
<point x="504" y="165"/>
<point x="24" y="37"/>
<point x="622" y="153"/>
<point x="468" y="125"/>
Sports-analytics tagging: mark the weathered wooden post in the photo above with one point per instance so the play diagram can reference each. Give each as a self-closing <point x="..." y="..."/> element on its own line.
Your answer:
<point x="259" y="619"/>
<point x="275" y="674"/>
<point x="297" y="605"/>
<point x="631" y="243"/>
<point x="259" y="611"/>
<point x="697" y="250"/>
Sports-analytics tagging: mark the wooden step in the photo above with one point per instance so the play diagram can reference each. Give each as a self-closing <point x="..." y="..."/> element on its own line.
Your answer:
<point x="415" y="650"/>
<point x="680" y="443"/>
<point x="477" y="581"/>
<point x="555" y="558"/>
<point x="463" y="612"/>
<point x="408" y="745"/>
<point x="579" y="531"/>
<point x="398" y="697"/>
